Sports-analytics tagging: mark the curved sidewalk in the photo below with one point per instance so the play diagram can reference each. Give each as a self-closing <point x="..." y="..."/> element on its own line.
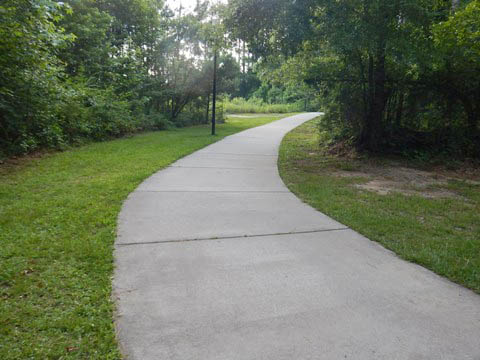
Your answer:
<point x="217" y="260"/>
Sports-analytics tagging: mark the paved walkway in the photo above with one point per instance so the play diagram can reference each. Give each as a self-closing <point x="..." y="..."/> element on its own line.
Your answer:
<point x="217" y="260"/>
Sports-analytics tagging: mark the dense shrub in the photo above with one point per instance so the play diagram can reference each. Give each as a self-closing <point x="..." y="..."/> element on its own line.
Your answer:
<point x="189" y="118"/>
<point x="82" y="70"/>
<point x="220" y="112"/>
<point x="255" y="105"/>
<point x="156" y="121"/>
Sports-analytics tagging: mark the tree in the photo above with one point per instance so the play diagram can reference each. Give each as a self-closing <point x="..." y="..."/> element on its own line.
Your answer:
<point x="458" y="42"/>
<point x="373" y="62"/>
<point x="91" y="52"/>
<point x="29" y="73"/>
<point x="214" y="34"/>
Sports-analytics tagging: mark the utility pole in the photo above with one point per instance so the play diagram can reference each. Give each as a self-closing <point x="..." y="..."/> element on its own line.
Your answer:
<point x="214" y="98"/>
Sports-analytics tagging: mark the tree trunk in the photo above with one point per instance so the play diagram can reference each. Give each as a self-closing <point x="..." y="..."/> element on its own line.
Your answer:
<point x="214" y="96"/>
<point x="399" y="112"/>
<point x="243" y="58"/>
<point x="372" y="133"/>
<point x="208" y="108"/>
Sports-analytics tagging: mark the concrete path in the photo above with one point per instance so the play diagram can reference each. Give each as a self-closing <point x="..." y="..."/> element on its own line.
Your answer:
<point x="217" y="260"/>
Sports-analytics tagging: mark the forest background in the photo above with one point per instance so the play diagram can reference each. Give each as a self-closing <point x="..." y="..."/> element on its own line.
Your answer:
<point x="399" y="76"/>
<point x="83" y="70"/>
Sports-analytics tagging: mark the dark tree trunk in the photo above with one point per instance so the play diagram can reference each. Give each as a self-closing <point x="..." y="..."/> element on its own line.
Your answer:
<point x="208" y="108"/>
<point x="214" y="96"/>
<point x="364" y="84"/>
<point x="372" y="133"/>
<point x="399" y="112"/>
<point x="243" y="59"/>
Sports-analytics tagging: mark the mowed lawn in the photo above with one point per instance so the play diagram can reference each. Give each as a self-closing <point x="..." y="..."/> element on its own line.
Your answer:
<point x="437" y="226"/>
<point x="57" y="228"/>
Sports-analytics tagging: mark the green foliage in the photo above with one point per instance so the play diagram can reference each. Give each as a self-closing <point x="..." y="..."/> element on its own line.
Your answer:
<point x="89" y="54"/>
<point x="391" y="75"/>
<point x="255" y="105"/>
<point x="457" y="70"/>
<point x="246" y="84"/>
<point x="460" y="34"/>
<point x="29" y="74"/>
<point x="92" y="70"/>
<point x="156" y="121"/>
<point x="220" y="111"/>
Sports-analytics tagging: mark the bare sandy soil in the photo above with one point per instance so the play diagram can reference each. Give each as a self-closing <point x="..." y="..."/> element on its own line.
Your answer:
<point x="409" y="181"/>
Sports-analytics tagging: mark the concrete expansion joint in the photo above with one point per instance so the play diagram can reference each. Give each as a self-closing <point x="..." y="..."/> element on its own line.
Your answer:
<point x="231" y="237"/>
<point x="218" y="153"/>
<point x="217" y="191"/>
<point x="248" y="137"/>
<point x="212" y="167"/>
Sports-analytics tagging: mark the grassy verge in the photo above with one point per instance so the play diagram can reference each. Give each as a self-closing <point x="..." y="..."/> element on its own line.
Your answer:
<point x="437" y="226"/>
<point x="57" y="227"/>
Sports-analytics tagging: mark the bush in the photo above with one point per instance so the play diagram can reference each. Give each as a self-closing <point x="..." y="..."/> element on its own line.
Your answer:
<point x="255" y="105"/>
<point x="155" y="121"/>
<point x="219" y="112"/>
<point x="94" y="114"/>
<point x="189" y="117"/>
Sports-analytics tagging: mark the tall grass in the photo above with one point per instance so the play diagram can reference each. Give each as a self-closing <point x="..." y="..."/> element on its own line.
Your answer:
<point x="242" y="106"/>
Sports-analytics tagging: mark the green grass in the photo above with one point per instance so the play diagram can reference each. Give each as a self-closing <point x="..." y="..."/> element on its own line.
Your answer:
<point x="442" y="234"/>
<point x="242" y="106"/>
<point x="57" y="227"/>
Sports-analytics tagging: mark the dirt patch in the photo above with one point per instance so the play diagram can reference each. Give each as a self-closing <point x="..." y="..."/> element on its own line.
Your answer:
<point x="385" y="180"/>
<point x="351" y="174"/>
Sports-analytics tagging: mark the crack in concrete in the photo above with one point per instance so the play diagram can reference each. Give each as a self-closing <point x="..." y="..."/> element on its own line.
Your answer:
<point x="231" y="237"/>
